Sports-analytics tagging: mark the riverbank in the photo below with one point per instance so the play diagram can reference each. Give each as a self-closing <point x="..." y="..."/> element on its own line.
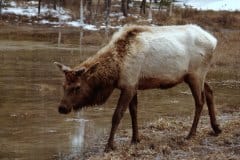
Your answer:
<point x="164" y="138"/>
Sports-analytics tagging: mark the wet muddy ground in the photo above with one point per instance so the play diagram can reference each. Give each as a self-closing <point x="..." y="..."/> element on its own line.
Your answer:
<point x="165" y="139"/>
<point x="31" y="127"/>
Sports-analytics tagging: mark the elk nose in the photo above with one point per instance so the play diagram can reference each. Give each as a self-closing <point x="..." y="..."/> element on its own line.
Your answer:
<point x="63" y="109"/>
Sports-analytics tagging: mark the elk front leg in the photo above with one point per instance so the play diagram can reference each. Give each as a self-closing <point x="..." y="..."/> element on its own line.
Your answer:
<point x="195" y="85"/>
<point x="133" y="113"/>
<point x="123" y="102"/>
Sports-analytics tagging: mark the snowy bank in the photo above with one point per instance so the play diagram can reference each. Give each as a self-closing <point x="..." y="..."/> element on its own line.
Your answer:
<point x="31" y="10"/>
<point x="215" y="5"/>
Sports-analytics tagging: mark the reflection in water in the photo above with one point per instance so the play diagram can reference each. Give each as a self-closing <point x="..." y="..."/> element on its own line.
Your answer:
<point x="80" y="40"/>
<point x="59" y="36"/>
<point x="77" y="139"/>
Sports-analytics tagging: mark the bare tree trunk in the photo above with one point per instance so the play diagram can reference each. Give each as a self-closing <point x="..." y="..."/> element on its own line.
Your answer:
<point x="89" y="7"/>
<point x="89" y="4"/>
<point x="124" y="8"/>
<point x="96" y="11"/>
<point x="60" y="27"/>
<point x="63" y="3"/>
<point x="159" y="7"/>
<point x="107" y="7"/>
<point x="143" y="7"/>
<point x="81" y="12"/>
<point x="150" y="12"/>
<point x="170" y="10"/>
<point x="39" y="6"/>
<point x="54" y="4"/>
<point x="0" y="7"/>
<point x="59" y="37"/>
<point x="80" y="40"/>
<point x="128" y="2"/>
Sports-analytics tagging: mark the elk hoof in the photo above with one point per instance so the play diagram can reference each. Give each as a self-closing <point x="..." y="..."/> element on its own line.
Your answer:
<point x="135" y="141"/>
<point x="217" y="130"/>
<point x="190" y="135"/>
<point x="109" y="148"/>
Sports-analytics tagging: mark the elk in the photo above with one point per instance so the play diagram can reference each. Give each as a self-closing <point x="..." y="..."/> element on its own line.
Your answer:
<point x="140" y="58"/>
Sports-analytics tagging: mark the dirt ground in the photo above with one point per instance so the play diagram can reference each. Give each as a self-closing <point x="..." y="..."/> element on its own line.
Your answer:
<point x="165" y="139"/>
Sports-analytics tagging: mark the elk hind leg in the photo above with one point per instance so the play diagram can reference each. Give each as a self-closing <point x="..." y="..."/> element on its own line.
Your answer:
<point x="211" y="110"/>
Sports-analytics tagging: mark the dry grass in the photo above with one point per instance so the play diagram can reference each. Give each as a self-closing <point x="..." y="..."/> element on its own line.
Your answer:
<point x="227" y="55"/>
<point x="210" y="19"/>
<point x="165" y="139"/>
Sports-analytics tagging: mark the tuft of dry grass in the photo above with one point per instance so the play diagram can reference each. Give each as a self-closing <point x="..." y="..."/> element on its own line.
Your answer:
<point x="226" y="59"/>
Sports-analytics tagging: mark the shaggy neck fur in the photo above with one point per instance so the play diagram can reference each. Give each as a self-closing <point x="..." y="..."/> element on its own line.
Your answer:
<point x="110" y="58"/>
<point x="105" y="77"/>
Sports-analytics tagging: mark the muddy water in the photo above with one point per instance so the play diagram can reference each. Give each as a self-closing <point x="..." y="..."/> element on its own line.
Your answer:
<point x="30" y="89"/>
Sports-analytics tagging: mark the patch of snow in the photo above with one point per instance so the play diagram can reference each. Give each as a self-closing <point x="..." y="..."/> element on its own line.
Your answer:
<point x="115" y="14"/>
<point x="13" y="4"/>
<point x="75" y="23"/>
<point x="65" y="17"/>
<point x="21" y="11"/>
<point x="32" y="10"/>
<point x="60" y="13"/>
<point x="216" y="5"/>
<point x="112" y="27"/>
<point x="90" y="27"/>
<point x="32" y="2"/>
<point x="116" y="5"/>
<point x="121" y="17"/>
<point x="84" y="26"/>
<point x="72" y="23"/>
<point x="44" y="21"/>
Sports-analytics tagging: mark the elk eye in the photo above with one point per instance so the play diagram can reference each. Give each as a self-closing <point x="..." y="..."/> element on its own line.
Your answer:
<point x="77" y="89"/>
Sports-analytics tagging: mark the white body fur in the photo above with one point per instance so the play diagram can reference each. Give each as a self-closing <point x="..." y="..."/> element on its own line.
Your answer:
<point x="166" y="54"/>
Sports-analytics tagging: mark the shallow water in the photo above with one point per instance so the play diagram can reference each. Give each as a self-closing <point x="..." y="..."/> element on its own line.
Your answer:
<point x="30" y="85"/>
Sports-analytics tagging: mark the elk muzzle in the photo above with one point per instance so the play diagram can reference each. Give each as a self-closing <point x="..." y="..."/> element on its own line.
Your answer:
<point x="63" y="109"/>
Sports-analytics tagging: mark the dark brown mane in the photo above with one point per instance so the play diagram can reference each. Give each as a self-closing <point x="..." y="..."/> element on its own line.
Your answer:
<point x="104" y="79"/>
<point x="122" y="43"/>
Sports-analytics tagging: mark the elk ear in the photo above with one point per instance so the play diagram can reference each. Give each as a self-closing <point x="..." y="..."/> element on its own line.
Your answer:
<point x="62" y="67"/>
<point x="84" y="70"/>
<point x="80" y="71"/>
